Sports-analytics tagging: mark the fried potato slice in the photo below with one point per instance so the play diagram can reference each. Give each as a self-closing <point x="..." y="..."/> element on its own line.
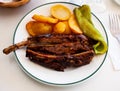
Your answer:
<point x="73" y="25"/>
<point x="37" y="28"/>
<point x="45" y="19"/>
<point x="60" y="12"/>
<point x="59" y="28"/>
<point x="67" y="29"/>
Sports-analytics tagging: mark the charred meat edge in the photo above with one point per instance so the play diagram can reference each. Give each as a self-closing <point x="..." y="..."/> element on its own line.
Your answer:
<point x="61" y="61"/>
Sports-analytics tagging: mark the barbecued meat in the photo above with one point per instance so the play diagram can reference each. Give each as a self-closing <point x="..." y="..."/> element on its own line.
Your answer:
<point x="48" y="39"/>
<point x="57" y="51"/>
<point x="60" y="51"/>
<point x="60" y="44"/>
<point x="60" y="62"/>
<point x="58" y="38"/>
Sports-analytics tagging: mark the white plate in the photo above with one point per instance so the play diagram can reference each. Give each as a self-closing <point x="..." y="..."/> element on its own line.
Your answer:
<point x="117" y="1"/>
<point x="49" y="76"/>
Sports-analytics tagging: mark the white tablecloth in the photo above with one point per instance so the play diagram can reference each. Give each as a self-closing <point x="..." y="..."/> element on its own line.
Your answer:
<point x="12" y="78"/>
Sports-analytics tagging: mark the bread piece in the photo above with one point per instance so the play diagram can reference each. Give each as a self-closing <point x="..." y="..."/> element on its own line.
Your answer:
<point x="14" y="3"/>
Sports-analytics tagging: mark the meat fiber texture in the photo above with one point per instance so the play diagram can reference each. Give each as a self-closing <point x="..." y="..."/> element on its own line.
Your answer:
<point x="60" y="51"/>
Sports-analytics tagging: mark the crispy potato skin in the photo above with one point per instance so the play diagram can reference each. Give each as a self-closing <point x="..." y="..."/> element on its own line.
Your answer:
<point x="44" y="19"/>
<point x="73" y="25"/>
<point x="67" y="29"/>
<point x="60" y="21"/>
<point x="37" y="28"/>
<point x="59" y="28"/>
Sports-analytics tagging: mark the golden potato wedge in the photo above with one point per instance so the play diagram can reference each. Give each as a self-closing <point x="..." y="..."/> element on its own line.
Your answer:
<point x="37" y="28"/>
<point x="73" y="25"/>
<point x="67" y="29"/>
<point x="29" y="28"/>
<point x="60" y="12"/>
<point x="45" y="19"/>
<point x="59" y="28"/>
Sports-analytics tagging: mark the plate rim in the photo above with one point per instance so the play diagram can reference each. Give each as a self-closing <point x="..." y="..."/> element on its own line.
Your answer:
<point x="52" y="83"/>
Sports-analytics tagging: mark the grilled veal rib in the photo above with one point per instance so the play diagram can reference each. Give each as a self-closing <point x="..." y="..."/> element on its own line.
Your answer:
<point x="58" y="38"/>
<point x="57" y="51"/>
<point x="61" y="61"/>
<point x="60" y="49"/>
<point x="47" y="39"/>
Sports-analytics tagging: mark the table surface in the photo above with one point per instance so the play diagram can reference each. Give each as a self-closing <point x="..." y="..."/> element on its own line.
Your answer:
<point x="12" y="78"/>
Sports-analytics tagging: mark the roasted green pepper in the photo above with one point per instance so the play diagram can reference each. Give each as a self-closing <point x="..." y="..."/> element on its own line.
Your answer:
<point x="83" y="18"/>
<point x="86" y="12"/>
